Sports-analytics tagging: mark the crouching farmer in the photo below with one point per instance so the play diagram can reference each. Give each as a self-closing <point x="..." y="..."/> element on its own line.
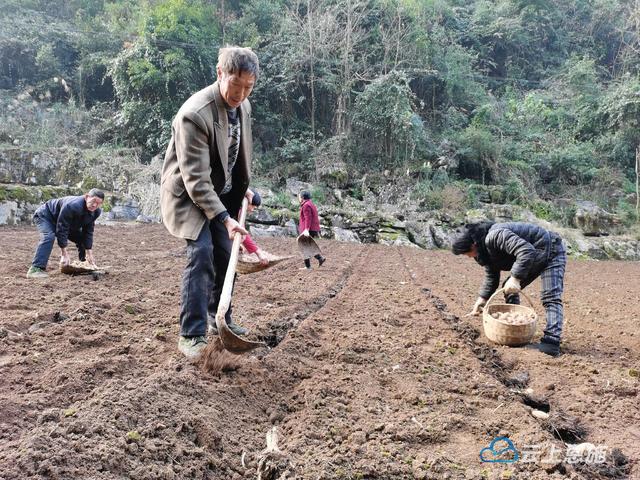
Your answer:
<point x="66" y="219"/>
<point x="527" y="252"/>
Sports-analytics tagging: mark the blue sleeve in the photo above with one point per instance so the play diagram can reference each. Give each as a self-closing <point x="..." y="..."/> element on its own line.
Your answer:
<point x="221" y="217"/>
<point x="63" y="225"/>
<point x="87" y="231"/>
<point x="88" y="236"/>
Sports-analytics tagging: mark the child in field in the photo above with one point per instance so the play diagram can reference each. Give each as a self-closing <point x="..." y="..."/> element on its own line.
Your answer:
<point x="248" y="244"/>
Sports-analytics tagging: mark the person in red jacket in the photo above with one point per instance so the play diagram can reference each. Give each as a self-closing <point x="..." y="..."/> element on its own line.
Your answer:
<point x="309" y="223"/>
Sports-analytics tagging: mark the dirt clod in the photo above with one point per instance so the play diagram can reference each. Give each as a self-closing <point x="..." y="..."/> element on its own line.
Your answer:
<point x="215" y="359"/>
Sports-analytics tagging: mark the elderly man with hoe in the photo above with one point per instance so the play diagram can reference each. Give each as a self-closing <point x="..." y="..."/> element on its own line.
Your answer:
<point x="527" y="251"/>
<point x="67" y="218"/>
<point x="205" y="176"/>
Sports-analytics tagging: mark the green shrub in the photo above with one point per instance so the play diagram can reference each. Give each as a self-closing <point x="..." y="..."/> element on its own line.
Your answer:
<point x="545" y="210"/>
<point x="281" y="199"/>
<point x="106" y="205"/>
<point x="356" y="192"/>
<point x="155" y="75"/>
<point x="627" y="212"/>
<point x="47" y="62"/>
<point x="88" y="183"/>
<point x="515" y="192"/>
<point x="318" y="194"/>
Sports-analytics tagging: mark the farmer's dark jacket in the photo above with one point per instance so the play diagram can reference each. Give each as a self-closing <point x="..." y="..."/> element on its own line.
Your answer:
<point x="522" y="248"/>
<point x="70" y="214"/>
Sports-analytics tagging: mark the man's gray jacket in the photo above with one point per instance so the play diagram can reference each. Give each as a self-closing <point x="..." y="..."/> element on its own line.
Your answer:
<point x="196" y="164"/>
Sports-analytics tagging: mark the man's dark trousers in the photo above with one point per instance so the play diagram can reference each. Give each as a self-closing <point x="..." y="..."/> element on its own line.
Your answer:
<point x="203" y="278"/>
<point x="307" y="261"/>
<point x="47" y="227"/>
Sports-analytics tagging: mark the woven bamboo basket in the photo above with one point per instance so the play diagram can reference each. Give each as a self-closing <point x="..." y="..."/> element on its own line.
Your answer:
<point x="78" y="268"/>
<point x="308" y="247"/>
<point x="250" y="264"/>
<point x="504" y="333"/>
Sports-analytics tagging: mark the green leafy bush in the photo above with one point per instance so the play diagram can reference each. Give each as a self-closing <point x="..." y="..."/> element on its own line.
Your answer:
<point x="174" y="58"/>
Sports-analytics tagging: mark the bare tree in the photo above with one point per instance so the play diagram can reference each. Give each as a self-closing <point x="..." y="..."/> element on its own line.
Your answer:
<point x="637" y="180"/>
<point x="350" y="15"/>
<point x="313" y="32"/>
<point x="312" y="29"/>
<point x="629" y="47"/>
<point x="312" y="76"/>
<point x="223" y="20"/>
<point x="395" y="40"/>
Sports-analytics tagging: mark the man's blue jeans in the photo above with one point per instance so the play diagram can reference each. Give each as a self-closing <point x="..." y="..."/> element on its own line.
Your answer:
<point x="207" y="261"/>
<point x="47" y="228"/>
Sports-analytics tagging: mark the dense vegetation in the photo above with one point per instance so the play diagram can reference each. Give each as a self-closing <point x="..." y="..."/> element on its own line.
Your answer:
<point x="519" y="101"/>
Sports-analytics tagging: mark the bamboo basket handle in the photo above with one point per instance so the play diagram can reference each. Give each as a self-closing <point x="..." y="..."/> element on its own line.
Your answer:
<point x="501" y="290"/>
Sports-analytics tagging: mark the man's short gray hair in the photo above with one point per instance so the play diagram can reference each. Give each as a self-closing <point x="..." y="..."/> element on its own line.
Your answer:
<point x="238" y="59"/>
<point x="94" y="192"/>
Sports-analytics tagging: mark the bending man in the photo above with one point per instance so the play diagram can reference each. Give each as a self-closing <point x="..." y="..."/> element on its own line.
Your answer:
<point x="528" y="252"/>
<point x="67" y="218"/>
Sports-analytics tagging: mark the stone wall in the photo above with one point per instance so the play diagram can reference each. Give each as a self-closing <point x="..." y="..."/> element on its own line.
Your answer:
<point x="28" y="179"/>
<point x="19" y="202"/>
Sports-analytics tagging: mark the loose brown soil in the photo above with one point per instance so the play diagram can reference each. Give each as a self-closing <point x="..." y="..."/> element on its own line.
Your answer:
<point x="372" y="371"/>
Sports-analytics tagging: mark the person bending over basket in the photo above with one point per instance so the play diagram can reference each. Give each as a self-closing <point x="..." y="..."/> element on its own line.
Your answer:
<point x="66" y="219"/>
<point x="527" y="251"/>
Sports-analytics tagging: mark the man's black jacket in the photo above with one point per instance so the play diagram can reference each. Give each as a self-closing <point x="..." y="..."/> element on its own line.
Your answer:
<point x="522" y="248"/>
<point x="70" y="214"/>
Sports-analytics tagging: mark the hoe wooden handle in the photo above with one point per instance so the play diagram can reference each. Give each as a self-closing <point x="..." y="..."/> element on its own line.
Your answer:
<point x="227" y="288"/>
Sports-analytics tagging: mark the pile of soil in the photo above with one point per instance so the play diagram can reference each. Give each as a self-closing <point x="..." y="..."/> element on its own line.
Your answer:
<point x="371" y="371"/>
